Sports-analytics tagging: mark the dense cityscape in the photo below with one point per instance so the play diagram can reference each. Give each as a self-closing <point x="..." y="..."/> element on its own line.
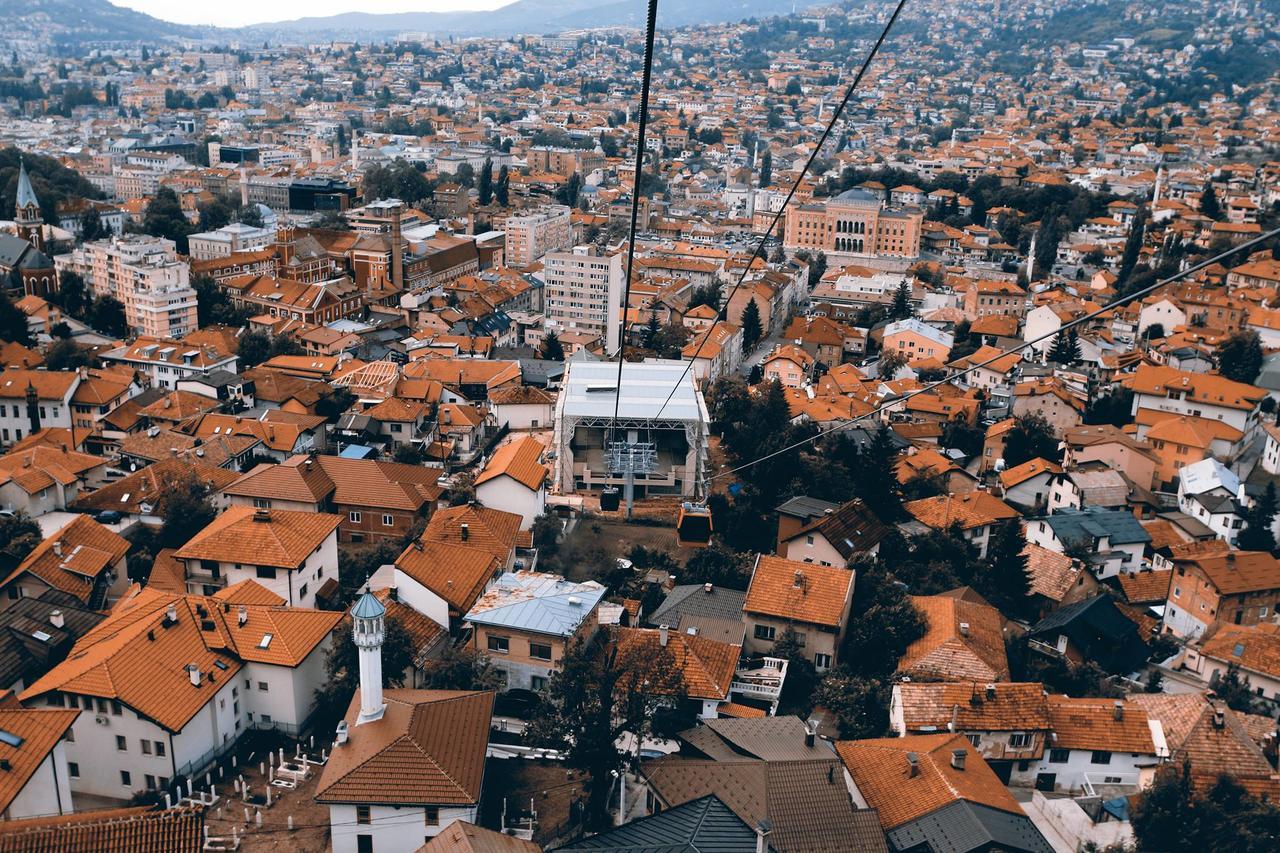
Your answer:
<point x="410" y="442"/>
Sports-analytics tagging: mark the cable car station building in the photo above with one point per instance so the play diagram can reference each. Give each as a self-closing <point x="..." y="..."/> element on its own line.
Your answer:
<point x="588" y="438"/>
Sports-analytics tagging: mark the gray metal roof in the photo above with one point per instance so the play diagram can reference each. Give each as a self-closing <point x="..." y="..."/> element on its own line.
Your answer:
<point x="704" y="825"/>
<point x="803" y="506"/>
<point x="1073" y="525"/>
<point x="537" y="602"/>
<point x="26" y="195"/>
<point x="963" y="826"/>
<point x="590" y="389"/>
<point x="694" y="600"/>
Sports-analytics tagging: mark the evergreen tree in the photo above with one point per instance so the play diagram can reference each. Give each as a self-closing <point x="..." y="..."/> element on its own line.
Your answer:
<point x="652" y="329"/>
<point x="766" y="169"/>
<point x="485" y="186"/>
<point x="1066" y="348"/>
<point x="13" y="323"/>
<point x="1240" y="357"/>
<point x="165" y="218"/>
<point x="1209" y="205"/>
<point x="751" y="326"/>
<point x="876" y="476"/>
<point x="901" y="308"/>
<point x="502" y="190"/>
<point x="1031" y="437"/>
<point x="91" y="225"/>
<point x="1133" y="246"/>
<point x="1257" y="535"/>
<point x="552" y="350"/>
<point x="1004" y="579"/>
<point x="107" y="316"/>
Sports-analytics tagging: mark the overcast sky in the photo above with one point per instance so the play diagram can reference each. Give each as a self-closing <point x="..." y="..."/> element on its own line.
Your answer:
<point x="235" y="13"/>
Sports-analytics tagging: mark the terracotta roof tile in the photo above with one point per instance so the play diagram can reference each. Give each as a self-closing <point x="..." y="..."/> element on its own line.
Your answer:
<point x="882" y="773"/>
<point x="73" y="559"/>
<point x="963" y="641"/>
<point x="519" y="460"/>
<point x="969" y="510"/>
<point x="281" y="538"/>
<point x="706" y="665"/>
<point x="1086" y="723"/>
<point x="802" y="592"/>
<point x="491" y="529"/>
<point x="129" y="830"/>
<point x="1016" y="706"/>
<point x="457" y="573"/>
<point x="40" y="731"/>
<point x="427" y="748"/>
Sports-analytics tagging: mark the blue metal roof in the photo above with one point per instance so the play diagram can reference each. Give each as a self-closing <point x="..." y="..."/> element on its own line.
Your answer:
<point x="368" y="607"/>
<point x="356" y="451"/>
<point x="537" y="602"/>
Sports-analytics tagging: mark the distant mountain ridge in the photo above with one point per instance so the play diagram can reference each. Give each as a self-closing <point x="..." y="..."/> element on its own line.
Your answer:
<point x="535" y="17"/>
<point x="80" y="21"/>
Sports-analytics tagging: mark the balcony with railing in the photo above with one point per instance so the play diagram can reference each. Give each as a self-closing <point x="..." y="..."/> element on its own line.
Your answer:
<point x="761" y="679"/>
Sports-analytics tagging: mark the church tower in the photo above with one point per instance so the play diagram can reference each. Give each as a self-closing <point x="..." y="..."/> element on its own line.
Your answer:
<point x="369" y="630"/>
<point x="26" y="210"/>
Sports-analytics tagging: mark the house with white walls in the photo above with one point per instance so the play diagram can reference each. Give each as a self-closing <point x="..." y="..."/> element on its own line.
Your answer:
<point x="33" y="762"/>
<point x="169" y="682"/>
<point x="406" y="763"/>
<point x="1098" y="744"/>
<point x="515" y="480"/>
<point x="293" y="554"/>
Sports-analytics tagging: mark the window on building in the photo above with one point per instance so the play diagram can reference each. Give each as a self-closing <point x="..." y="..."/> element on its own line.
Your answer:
<point x="1019" y="740"/>
<point x="1100" y="756"/>
<point x="765" y="632"/>
<point x="74" y="769"/>
<point x="432" y="815"/>
<point x="499" y="644"/>
<point x="821" y="661"/>
<point x="160" y="748"/>
<point x="388" y="520"/>
<point x="537" y="683"/>
<point x="122" y="744"/>
<point x="540" y="651"/>
<point x="364" y="844"/>
<point x="362" y="815"/>
<point x="126" y="778"/>
<point x="354" y="517"/>
<point x="146" y="747"/>
<point x="262" y="686"/>
<point x="1059" y="756"/>
<point x="266" y="572"/>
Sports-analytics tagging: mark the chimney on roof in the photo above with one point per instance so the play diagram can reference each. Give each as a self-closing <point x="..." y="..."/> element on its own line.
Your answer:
<point x="991" y="693"/>
<point x="242" y="616"/>
<point x="964" y="629"/>
<point x="957" y="758"/>
<point x="913" y="765"/>
<point x="56" y="619"/>
<point x="262" y="514"/>
<point x="707" y="588"/>
<point x="763" y="828"/>
<point x="810" y="733"/>
<point x="955" y="718"/>
<point x="57" y="547"/>
<point x="171" y="613"/>
<point x="465" y="531"/>
<point x="664" y="634"/>
<point x="1118" y="712"/>
<point x="342" y="733"/>
<point x="193" y="671"/>
<point x="798" y="580"/>
<point x="393" y="594"/>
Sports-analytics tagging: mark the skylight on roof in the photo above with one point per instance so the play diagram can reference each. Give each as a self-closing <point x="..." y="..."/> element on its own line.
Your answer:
<point x="10" y="739"/>
<point x="41" y="636"/>
<point x="265" y="642"/>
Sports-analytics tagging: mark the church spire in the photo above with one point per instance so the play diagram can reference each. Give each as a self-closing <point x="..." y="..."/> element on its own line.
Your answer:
<point x="26" y="210"/>
<point x="26" y="195"/>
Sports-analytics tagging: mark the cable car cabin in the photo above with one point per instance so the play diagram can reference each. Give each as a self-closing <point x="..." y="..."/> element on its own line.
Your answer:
<point x="610" y="499"/>
<point x="693" y="528"/>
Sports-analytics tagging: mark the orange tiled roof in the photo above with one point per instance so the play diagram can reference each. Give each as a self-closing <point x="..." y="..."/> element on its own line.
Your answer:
<point x="72" y="559"/>
<point x="457" y="573"/>
<point x="706" y="665"/>
<point x="261" y="537"/>
<point x="492" y="530"/>
<point x="963" y="641"/>
<point x="800" y="592"/>
<point x="427" y="748"/>
<point x="969" y="510"/>
<point x="41" y="730"/>
<point x="1087" y="723"/>
<point x="880" y="770"/>
<point x="519" y="460"/>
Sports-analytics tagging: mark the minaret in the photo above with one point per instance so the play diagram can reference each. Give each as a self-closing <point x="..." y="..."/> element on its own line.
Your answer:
<point x="368" y="631"/>
<point x="1031" y="260"/>
<point x="355" y="151"/>
<point x="1155" y="198"/>
<point x="26" y="210"/>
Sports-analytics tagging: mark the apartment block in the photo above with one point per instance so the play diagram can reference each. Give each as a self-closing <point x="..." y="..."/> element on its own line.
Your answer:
<point x="584" y="293"/>
<point x="144" y="273"/>
<point x="534" y="234"/>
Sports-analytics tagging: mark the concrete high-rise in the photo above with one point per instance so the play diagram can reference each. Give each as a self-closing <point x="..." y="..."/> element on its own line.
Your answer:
<point x="584" y="294"/>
